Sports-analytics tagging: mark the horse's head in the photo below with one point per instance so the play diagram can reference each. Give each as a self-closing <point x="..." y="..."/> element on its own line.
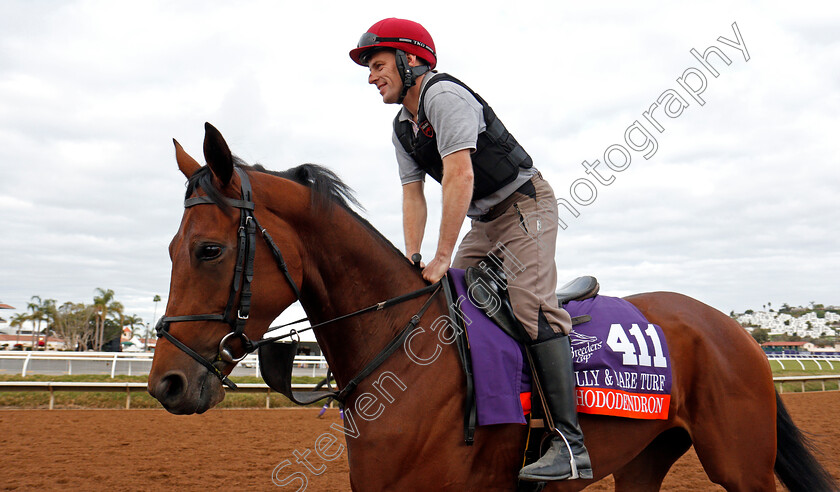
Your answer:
<point x="216" y="304"/>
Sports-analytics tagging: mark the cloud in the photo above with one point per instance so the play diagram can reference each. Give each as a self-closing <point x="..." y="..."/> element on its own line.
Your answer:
<point x="736" y="207"/>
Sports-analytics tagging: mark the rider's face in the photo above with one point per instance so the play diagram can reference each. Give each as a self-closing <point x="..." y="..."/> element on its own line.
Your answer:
<point x="384" y="75"/>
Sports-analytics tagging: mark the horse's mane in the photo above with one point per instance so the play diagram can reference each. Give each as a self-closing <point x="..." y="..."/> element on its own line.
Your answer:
<point x="327" y="188"/>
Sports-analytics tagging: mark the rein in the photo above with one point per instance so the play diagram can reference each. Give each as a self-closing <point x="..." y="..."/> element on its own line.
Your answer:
<point x="237" y="316"/>
<point x="375" y="307"/>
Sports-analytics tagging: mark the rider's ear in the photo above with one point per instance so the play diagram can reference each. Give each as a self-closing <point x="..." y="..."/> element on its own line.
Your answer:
<point x="217" y="154"/>
<point x="186" y="164"/>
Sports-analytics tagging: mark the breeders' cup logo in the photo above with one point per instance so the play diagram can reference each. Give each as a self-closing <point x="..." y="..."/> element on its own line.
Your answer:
<point x="583" y="346"/>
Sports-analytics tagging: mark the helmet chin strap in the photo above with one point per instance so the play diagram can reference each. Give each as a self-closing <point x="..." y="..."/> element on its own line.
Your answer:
<point x="409" y="74"/>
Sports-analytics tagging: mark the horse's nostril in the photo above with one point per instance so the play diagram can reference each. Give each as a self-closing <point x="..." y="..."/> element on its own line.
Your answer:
<point x="170" y="388"/>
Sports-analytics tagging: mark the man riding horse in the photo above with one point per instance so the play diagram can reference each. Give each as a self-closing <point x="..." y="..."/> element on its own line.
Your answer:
<point x="447" y="131"/>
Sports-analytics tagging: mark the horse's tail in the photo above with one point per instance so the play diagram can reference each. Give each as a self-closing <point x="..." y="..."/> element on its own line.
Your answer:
<point x="796" y="466"/>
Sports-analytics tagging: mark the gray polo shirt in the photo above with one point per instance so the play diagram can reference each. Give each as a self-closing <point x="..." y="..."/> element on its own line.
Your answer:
<point x="457" y="118"/>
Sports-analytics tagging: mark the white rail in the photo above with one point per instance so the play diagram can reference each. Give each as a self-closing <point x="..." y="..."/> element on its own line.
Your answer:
<point x="124" y="363"/>
<point x="830" y="359"/>
<point x="780" y="380"/>
<point x="128" y="388"/>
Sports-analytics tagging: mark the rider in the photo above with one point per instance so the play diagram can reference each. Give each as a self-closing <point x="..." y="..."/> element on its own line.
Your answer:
<point x="445" y="130"/>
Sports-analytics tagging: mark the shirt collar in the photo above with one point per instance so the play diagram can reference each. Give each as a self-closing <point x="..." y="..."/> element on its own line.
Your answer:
<point x="405" y="115"/>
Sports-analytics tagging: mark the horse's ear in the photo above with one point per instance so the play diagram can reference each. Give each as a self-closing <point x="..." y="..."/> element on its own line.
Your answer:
<point x="186" y="164"/>
<point x="217" y="154"/>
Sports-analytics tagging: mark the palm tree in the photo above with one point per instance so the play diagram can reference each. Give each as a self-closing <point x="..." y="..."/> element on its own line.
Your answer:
<point x="17" y="321"/>
<point x="50" y="312"/>
<point x="156" y="300"/>
<point x="41" y="310"/>
<point x="104" y="306"/>
<point x="100" y="306"/>
<point x="37" y="315"/>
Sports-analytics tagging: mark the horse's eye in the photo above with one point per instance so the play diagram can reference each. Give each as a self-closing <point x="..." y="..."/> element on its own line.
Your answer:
<point x="209" y="251"/>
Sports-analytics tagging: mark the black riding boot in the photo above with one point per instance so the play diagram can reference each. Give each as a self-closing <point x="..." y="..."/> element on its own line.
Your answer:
<point x="567" y="457"/>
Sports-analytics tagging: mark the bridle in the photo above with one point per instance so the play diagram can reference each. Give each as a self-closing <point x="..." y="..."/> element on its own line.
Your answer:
<point x="236" y="315"/>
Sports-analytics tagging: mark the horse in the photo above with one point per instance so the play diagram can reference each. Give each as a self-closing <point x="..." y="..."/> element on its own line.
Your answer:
<point x="407" y="433"/>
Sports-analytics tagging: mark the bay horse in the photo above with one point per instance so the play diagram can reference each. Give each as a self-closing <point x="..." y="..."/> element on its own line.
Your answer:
<point x="408" y="430"/>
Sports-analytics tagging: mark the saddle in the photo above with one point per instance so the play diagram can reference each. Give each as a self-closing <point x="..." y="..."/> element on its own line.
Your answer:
<point x="488" y="287"/>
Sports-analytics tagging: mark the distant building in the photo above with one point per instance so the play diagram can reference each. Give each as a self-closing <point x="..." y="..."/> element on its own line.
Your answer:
<point x="807" y="325"/>
<point x="4" y="306"/>
<point x="810" y="347"/>
<point x="783" y="346"/>
<point x="22" y="342"/>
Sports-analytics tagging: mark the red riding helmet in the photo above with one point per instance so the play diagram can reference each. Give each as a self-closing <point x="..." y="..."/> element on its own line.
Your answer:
<point x="399" y="34"/>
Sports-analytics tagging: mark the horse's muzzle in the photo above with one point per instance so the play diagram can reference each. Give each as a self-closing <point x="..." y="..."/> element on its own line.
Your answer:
<point x="174" y="391"/>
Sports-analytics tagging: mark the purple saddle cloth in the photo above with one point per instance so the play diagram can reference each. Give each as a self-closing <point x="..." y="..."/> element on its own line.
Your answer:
<point x="500" y="370"/>
<point x="621" y="361"/>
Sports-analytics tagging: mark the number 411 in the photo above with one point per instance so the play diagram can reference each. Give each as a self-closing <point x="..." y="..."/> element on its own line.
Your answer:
<point x="619" y="342"/>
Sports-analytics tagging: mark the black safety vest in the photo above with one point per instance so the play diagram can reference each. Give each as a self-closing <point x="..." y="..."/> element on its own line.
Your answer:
<point x="497" y="157"/>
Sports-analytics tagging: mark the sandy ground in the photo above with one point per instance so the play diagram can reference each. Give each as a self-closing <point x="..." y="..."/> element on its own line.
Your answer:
<point x="241" y="449"/>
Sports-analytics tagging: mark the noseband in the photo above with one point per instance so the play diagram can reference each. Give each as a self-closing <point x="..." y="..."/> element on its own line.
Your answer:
<point x="236" y="316"/>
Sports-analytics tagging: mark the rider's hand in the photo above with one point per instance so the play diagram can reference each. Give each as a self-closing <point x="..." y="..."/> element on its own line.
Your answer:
<point x="436" y="269"/>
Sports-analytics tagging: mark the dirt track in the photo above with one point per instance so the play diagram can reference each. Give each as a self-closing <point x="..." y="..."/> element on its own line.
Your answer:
<point x="153" y="450"/>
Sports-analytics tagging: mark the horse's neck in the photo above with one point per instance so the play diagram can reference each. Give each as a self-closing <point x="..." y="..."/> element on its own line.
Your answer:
<point x="351" y="264"/>
<point x="349" y="267"/>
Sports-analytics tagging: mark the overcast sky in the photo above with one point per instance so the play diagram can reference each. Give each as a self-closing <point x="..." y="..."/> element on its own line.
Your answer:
<point x="737" y="206"/>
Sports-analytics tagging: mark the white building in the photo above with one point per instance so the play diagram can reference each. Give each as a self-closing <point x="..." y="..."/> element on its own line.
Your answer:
<point x="807" y="325"/>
